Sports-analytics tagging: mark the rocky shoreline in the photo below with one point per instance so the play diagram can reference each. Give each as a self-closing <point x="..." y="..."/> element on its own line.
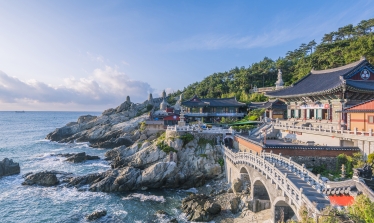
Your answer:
<point x="143" y="159"/>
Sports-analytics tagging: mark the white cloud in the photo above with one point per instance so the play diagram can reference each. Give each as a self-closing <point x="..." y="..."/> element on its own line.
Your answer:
<point x="104" y="88"/>
<point x="97" y="58"/>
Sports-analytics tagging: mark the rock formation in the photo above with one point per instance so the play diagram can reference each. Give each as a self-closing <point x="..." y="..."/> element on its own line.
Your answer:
<point x="139" y="159"/>
<point x="45" y="178"/>
<point x="8" y="167"/>
<point x="78" y="157"/>
<point x="115" y="127"/>
<point x="200" y="208"/>
<point x="96" y="215"/>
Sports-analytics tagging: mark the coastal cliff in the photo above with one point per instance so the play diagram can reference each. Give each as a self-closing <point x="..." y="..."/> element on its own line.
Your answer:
<point x="141" y="159"/>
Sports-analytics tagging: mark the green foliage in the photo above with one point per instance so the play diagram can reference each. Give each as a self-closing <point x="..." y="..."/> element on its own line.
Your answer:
<point x="165" y="147"/>
<point x="362" y="210"/>
<point x="221" y="162"/>
<point x="347" y="161"/>
<point x="149" y="107"/>
<point x="203" y="155"/>
<point x="186" y="138"/>
<point x="371" y="159"/>
<point x="161" y="137"/>
<point x="254" y="115"/>
<point x="243" y="127"/>
<point x="319" y="169"/>
<point x="203" y="141"/>
<point x="140" y="145"/>
<point x="227" y="120"/>
<point x="142" y="126"/>
<point x="171" y="100"/>
<point x="358" y="160"/>
<point x="337" y="48"/>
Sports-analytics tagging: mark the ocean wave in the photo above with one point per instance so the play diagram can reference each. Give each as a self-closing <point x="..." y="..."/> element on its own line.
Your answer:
<point x="143" y="197"/>
<point x="191" y="190"/>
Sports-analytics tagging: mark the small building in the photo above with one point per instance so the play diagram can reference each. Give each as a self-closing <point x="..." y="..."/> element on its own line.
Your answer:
<point x="361" y="116"/>
<point x="273" y="108"/>
<point x="212" y="110"/>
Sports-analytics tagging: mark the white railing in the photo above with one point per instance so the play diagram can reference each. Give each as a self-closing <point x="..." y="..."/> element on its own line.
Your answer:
<point x="221" y="114"/>
<point x="200" y="130"/>
<point x="266" y="163"/>
<point x="325" y="131"/>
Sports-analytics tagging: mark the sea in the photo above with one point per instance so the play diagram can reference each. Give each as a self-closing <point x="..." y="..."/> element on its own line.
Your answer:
<point x="22" y="138"/>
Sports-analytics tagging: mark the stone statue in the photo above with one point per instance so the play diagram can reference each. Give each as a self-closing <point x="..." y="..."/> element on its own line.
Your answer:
<point x="343" y="171"/>
<point x="279" y="84"/>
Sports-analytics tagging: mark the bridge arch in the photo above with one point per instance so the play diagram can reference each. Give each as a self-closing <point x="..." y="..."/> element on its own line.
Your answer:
<point x="245" y="177"/>
<point x="260" y="190"/>
<point x="282" y="211"/>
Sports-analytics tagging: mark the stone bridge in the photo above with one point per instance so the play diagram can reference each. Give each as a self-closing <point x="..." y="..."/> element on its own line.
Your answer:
<point x="274" y="179"/>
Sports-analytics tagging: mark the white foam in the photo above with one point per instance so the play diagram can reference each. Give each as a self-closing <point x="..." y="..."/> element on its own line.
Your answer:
<point x="121" y="213"/>
<point x="144" y="197"/>
<point x="192" y="190"/>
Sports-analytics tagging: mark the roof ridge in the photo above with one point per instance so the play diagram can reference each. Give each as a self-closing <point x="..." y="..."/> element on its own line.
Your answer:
<point x="338" y="68"/>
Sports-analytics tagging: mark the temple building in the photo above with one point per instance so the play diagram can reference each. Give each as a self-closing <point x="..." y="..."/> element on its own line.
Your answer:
<point x="321" y="94"/>
<point x="212" y="110"/>
<point x="360" y="117"/>
<point x="273" y="108"/>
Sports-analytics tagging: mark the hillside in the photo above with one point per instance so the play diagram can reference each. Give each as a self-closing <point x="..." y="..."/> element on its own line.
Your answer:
<point x="337" y="48"/>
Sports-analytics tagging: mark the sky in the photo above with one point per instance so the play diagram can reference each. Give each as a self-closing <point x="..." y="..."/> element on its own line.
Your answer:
<point x="89" y="55"/>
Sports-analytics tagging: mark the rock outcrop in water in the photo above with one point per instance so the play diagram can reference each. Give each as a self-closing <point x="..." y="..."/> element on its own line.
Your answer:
<point x="115" y="127"/>
<point x="96" y="215"/>
<point x="78" y="157"/>
<point x="8" y="167"/>
<point x="45" y="178"/>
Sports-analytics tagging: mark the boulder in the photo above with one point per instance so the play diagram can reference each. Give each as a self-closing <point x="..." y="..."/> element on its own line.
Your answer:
<point x="79" y="157"/>
<point x="96" y="215"/>
<point x="44" y="178"/>
<point x="8" y="167"/>
<point x="86" y="118"/>
<point x="199" y="207"/>
<point x="237" y="185"/>
<point x="234" y="204"/>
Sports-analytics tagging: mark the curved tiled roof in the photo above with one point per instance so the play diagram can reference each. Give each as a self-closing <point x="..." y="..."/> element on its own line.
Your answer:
<point x="317" y="82"/>
<point x="214" y="102"/>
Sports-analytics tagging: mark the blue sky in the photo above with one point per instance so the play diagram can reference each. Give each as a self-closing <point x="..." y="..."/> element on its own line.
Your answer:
<point x="88" y="55"/>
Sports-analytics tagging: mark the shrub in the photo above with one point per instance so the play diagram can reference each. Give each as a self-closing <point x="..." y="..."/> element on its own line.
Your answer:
<point x="362" y="210"/>
<point x="165" y="147"/>
<point x="221" y="162"/>
<point x="149" y="107"/>
<point x="186" y="138"/>
<point x="142" y="126"/>
<point x="203" y="155"/>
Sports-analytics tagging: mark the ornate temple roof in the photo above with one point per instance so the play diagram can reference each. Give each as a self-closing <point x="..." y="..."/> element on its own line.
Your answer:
<point x="357" y="77"/>
<point x="268" y="104"/>
<point x="212" y="102"/>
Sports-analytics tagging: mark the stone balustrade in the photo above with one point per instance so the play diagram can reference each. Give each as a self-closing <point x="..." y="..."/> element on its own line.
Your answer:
<point x="355" y="134"/>
<point x="198" y="129"/>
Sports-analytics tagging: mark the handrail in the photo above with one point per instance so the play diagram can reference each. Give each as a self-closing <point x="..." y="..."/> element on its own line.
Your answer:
<point x="266" y="162"/>
<point x="319" y="129"/>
